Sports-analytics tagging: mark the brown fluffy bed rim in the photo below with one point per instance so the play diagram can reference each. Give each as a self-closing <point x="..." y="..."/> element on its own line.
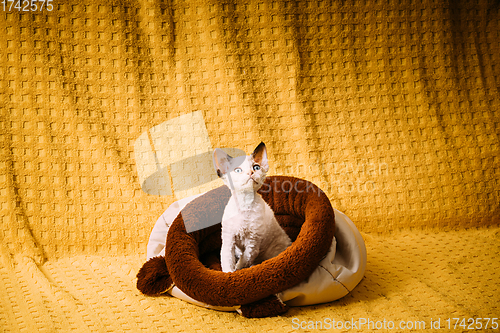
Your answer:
<point x="192" y="260"/>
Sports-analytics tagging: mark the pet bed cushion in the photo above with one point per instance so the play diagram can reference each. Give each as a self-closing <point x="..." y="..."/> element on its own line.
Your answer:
<point x="313" y="270"/>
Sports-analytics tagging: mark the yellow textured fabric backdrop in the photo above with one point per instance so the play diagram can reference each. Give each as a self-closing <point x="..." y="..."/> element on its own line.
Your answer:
<point x="391" y="107"/>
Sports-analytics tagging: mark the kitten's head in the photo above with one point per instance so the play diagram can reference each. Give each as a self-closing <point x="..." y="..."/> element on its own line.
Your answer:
<point x="242" y="172"/>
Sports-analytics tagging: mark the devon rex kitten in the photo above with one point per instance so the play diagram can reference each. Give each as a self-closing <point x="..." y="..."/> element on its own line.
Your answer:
<point x="250" y="232"/>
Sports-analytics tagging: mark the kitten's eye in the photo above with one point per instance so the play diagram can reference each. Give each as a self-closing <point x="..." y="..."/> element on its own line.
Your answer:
<point x="256" y="167"/>
<point x="238" y="170"/>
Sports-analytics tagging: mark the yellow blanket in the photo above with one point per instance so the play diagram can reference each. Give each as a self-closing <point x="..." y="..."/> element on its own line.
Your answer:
<point x="109" y="110"/>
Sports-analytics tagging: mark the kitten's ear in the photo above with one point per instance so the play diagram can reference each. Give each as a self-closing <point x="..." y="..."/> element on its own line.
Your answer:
<point x="259" y="155"/>
<point x="221" y="161"/>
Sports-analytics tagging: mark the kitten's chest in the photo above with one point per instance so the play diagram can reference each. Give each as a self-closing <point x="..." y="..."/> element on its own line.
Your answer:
<point x="246" y="221"/>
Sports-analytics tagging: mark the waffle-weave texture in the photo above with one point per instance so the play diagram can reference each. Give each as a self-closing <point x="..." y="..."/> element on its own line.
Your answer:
<point x="412" y="278"/>
<point x="391" y="107"/>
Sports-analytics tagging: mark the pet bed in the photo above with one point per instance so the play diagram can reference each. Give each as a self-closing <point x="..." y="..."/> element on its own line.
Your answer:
<point x="316" y="268"/>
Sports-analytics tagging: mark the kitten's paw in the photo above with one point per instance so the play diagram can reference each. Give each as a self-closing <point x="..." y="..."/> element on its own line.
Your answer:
<point x="227" y="268"/>
<point x="239" y="265"/>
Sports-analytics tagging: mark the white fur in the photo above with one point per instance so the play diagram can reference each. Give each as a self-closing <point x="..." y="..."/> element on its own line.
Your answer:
<point x="250" y="232"/>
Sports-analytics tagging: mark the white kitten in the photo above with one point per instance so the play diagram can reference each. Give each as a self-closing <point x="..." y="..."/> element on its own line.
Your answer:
<point x="250" y="232"/>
